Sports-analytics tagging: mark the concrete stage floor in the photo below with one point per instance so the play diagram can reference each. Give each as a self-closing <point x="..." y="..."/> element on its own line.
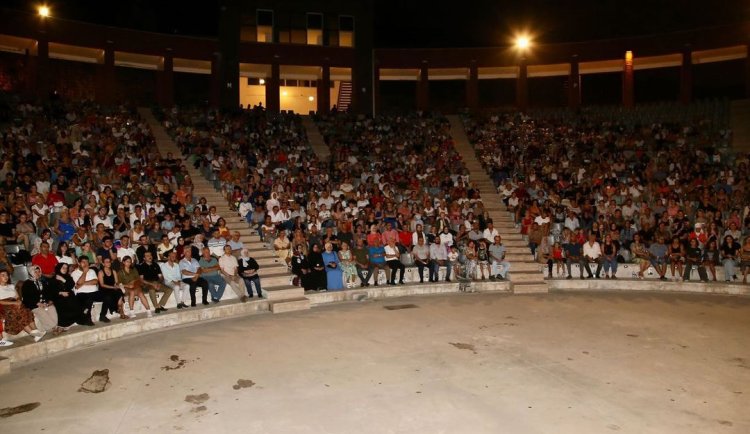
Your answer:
<point x="467" y="363"/>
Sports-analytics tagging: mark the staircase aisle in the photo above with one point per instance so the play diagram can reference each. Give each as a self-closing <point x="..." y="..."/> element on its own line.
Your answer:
<point x="282" y="296"/>
<point x="317" y="142"/>
<point x="345" y="96"/>
<point x="525" y="273"/>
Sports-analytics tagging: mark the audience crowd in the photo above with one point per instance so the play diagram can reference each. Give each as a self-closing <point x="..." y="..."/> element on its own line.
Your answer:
<point x="98" y="216"/>
<point x="656" y="186"/>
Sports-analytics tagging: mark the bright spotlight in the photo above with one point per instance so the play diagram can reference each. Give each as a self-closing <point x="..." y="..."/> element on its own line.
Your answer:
<point x="284" y="93"/>
<point x="523" y="42"/>
<point x="43" y="11"/>
<point x="262" y="82"/>
<point x="311" y="98"/>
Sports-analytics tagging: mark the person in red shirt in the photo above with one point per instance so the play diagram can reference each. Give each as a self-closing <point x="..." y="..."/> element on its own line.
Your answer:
<point x="45" y="260"/>
<point x="55" y="197"/>
<point x="405" y="238"/>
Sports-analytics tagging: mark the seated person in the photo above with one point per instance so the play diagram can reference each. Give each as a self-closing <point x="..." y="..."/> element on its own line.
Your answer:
<point x="229" y="270"/>
<point x="191" y="275"/>
<point x="152" y="278"/>
<point x="658" y="253"/>
<point x="210" y="272"/>
<point x="131" y="283"/>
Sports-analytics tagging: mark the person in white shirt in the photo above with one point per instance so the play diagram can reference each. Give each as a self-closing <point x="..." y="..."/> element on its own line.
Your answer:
<point x="126" y="249"/>
<point x="327" y="200"/>
<point x="446" y="238"/>
<point x="490" y="232"/>
<point x="629" y="209"/>
<point x="228" y="266"/>
<point x="572" y="222"/>
<point x="439" y="257"/>
<point x="170" y="270"/>
<point x="137" y="215"/>
<point x="102" y="217"/>
<point x="272" y="202"/>
<point x="39" y="209"/>
<point x="87" y="291"/>
<point x="417" y="234"/>
<point x="592" y="253"/>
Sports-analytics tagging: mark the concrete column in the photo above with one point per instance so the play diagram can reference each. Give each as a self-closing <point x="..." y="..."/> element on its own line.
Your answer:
<point x="522" y="86"/>
<point x="686" y="75"/>
<point x="472" y="86"/>
<point x="214" y="94"/>
<point x="273" y="99"/>
<point x="628" y="87"/>
<point x="165" y="80"/>
<point x="106" y="78"/>
<point x="324" y="90"/>
<point x="423" y="88"/>
<point x="574" y="84"/>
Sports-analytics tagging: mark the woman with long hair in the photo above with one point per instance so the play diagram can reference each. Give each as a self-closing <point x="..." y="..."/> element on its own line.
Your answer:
<point x="109" y="284"/>
<point x="130" y="281"/>
<point x="17" y="316"/>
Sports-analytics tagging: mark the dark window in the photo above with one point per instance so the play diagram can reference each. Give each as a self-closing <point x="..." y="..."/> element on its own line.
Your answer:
<point x="265" y="17"/>
<point x="346" y="23"/>
<point x="314" y="21"/>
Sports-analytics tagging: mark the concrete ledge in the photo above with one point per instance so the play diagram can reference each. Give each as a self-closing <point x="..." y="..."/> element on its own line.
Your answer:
<point x="388" y="291"/>
<point x="26" y="351"/>
<point x="290" y="305"/>
<point x="647" y="285"/>
<point x="81" y="336"/>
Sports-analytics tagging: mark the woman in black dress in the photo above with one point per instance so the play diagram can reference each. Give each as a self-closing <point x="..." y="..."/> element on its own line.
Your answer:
<point x="315" y="280"/>
<point x="69" y="311"/>
<point x="299" y="265"/>
<point x="110" y="285"/>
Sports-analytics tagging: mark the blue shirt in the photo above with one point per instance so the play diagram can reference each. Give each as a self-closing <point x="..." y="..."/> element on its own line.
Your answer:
<point x="377" y="254"/>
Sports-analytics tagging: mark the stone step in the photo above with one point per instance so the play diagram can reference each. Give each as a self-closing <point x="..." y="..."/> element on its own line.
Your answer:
<point x="508" y="226"/>
<point x="276" y="268"/>
<point x="242" y="230"/>
<point x="282" y="292"/>
<point x="507" y="236"/>
<point x="519" y="257"/>
<point x="274" y="277"/>
<point x="525" y="267"/>
<point x="258" y="254"/>
<point x="268" y="260"/>
<point x="526" y="277"/>
<point x="517" y="250"/>
<point x="263" y="254"/>
<point x="291" y="305"/>
<point x="515" y="243"/>
<point x="530" y="288"/>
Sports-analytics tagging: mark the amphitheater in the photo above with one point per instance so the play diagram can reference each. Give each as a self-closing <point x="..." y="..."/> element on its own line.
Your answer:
<point x="540" y="350"/>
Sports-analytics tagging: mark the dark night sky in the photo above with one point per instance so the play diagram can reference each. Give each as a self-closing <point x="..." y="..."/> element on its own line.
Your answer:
<point x="436" y="23"/>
